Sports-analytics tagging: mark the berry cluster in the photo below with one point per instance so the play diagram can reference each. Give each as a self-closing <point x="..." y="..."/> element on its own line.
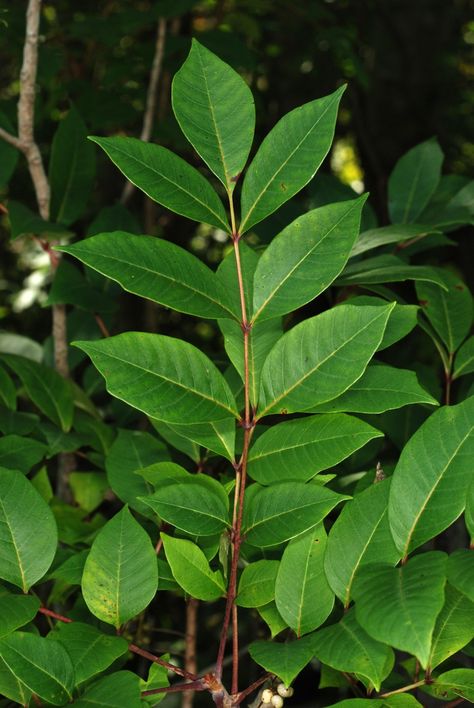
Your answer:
<point x="269" y="697"/>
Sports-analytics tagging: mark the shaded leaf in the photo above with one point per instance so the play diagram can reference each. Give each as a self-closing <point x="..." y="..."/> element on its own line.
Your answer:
<point x="7" y="390"/>
<point x="24" y="222"/>
<point x="388" y="269"/>
<point x="16" y="611"/>
<point x="19" y="453"/>
<point x="454" y="626"/>
<point x="464" y="361"/>
<point x="460" y="571"/>
<point x="450" y="311"/>
<point x="116" y="690"/>
<point x="257" y="583"/>
<point x="385" y="235"/>
<point x="284" y="660"/>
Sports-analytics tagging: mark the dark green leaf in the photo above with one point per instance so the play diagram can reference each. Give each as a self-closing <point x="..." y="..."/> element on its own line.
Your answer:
<point x="301" y="579"/>
<point x="28" y="534"/>
<point x="399" y="606"/>
<point x="385" y="235"/>
<point x="284" y="660"/>
<point x="20" y="453"/>
<point x="288" y="158"/>
<point x="71" y="288"/>
<point x="16" y="611"/>
<point x="7" y="390"/>
<point x="450" y="312"/>
<point x="166" y="378"/>
<point x="167" y="179"/>
<point x="116" y="690"/>
<point x="215" y="110"/>
<point x="430" y="481"/>
<point x="24" y="222"/>
<point x="388" y="269"/>
<point x="454" y="626"/>
<point x="299" y="449"/>
<point x="464" y="361"/>
<point x="120" y="575"/>
<point x="461" y="571"/>
<point x="298" y="375"/>
<point x="257" y="583"/>
<point x="8" y="154"/>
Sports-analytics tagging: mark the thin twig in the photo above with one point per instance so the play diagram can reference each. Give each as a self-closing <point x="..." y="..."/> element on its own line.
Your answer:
<point x="190" y="662"/>
<point x="197" y="685"/>
<point x="404" y="689"/>
<point x="12" y="139"/>
<point x="151" y="98"/>
<point x="250" y="689"/>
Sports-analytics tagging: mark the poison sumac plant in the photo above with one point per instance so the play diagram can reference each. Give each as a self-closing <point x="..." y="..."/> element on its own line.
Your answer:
<point x="353" y="581"/>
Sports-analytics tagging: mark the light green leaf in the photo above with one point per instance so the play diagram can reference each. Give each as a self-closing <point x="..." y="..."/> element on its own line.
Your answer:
<point x="399" y="606"/>
<point x="196" y="504"/>
<point x="44" y="667"/>
<point x="217" y="436"/>
<point x="257" y="583"/>
<point x="275" y="514"/>
<point x="46" y="388"/>
<point x="116" y="690"/>
<point x="461" y="571"/>
<point x="360" y="535"/>
<point x="464" y="361"/>
<point x="89" y="488"/>
<point x="71" y="169"/>
<point x="91" y="650"/>
<point x="7" y="390"/>
<point x="272" y="618"/>
<point x="403" y="318"/>
<point x="385" y="235"/>
<point x="16" y="611"/>
<point x="301" y="579"/>
<point x="304" y="259"/>
<point x="284" y="660"/>
<point x="215" y="110"/>
<point x="299" y="449"/>
<point x="454" y="626"/>
<point x="347" y="647"/>
<point x="320" y="358"/>
<point x="166" y="378"/>
<point x="450" y="312"/>
<point x="288" y="158"/>
<point x="413" y="181"/>
<point x="388" y="269"/>
<point x="19" y="453"/>
<point x="381" y="388"/>
<point x="166" y="178"/>
<point x="120" y="574"/>
<point x="157" y="678"/>
<point x="155" y="269"/>
<point x="132" y="450"/>
<point x="430" y="481"/>
<point x="191" y="569"/>
<point x="457" y="681"/>
<point x="28" y="534"/>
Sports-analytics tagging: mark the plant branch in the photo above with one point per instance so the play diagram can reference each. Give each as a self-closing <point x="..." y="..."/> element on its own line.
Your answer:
<point x="12" y="139"/>
<point x="239" y="697"/>
<point x="198" y="685"/>
<point x="151" y="98"/>
<point x="190" y="662"/>
<point x="404" y="689"/>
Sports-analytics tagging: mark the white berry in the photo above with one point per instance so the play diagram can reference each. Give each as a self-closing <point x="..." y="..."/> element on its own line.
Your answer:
<point x="267" y="695"/>
<point x="277" y="701"/>
<point x="284" y="691"/>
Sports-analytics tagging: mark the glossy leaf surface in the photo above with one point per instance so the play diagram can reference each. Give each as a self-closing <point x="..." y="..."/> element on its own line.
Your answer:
<point x="191" y="569"/>
<point x="257" y="583"/>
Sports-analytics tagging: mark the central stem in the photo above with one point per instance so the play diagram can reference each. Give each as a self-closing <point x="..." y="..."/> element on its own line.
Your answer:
<point x="240" y="479"/>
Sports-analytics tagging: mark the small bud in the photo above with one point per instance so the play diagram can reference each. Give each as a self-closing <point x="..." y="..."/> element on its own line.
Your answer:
<point x="267" y="695"/>
<point x="284" y="691"/>
<point x="277" y="701"/>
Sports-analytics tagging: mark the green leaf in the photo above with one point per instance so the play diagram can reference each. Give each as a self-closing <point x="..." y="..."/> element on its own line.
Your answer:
<point x="399" y="606"/>
<point x="215" y="110"/>
<point x="167" y="179"/>
<point x="388" y="269"/>
<point x="20" y="453"/>
<point x="70" y="287"/>
<point x="22" y="346"/>
<point x="11" y="687"/>
<point x="155" y="269"/>
<point x="164" y="377"/>
<point x="404" y="700"/>
<point x="217" y="436"/>
<point x="28" y="534"/>
<point x="458" y="681"/>
<point x="131" y="451"/>
<point x="175" y="440"/>
<point x="461" y="571"/>
<point x="450" y="312"/>
<point x="116" y="690"/>
<point x="385" y="235"/>
<point x="381" y="388"/>
<point x="196" y="504"/>
<point x="304" y="259"/>
<point x="402" y="320"/>
<point x="91" y="650"/>
<point x="14" y="422"/>
<point x="347" y="647"/>
<point x="413" y="181"/>
<point x="320" y="358"/>
<point x="275" y="514"/>
<point x="46" y="388"/>
<point x="431" y="478"/>
<point x="24" y="222"/>
<point x="8" y="154"/>
<point x="120" y="575"/>
<point x="464" y="361"/>
<point x="157" y="678"/>
<point x="299" y="449"/>
<point x="301" y="579"/>
<point x="360" y="535"/>
<point x="16" y="611"/>
<point x="288" y="158"/>
<point x="191" y="569"/>
<point x="7" y="390"/>
<point x="71" y="169"/>
<point x="469" y="511"/>
<point x="71" y="570"/>
<point x="272" y="618"/>
<point x="454" y="626"/>
<point x="257" y="583"/>
<point x="43" y="666"/>
<point x="284" y="660"/>
<point x="89" y="488"/>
